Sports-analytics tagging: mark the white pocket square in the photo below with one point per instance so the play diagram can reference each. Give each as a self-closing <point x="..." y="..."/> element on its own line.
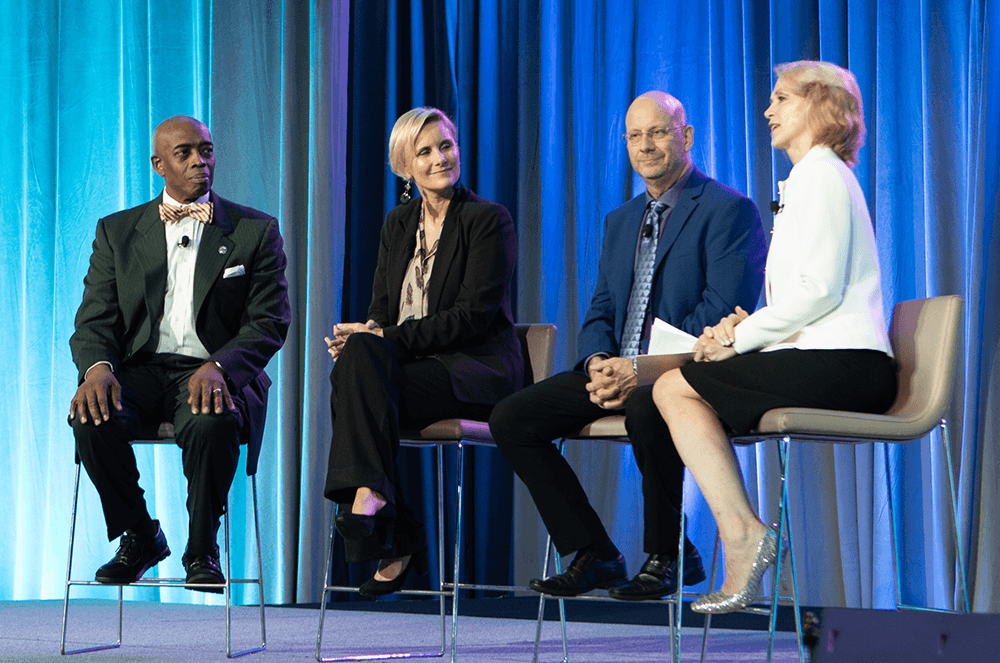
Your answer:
<point x="232" y="272"/>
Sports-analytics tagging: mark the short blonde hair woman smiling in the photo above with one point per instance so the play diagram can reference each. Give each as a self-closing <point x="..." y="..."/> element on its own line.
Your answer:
<point x="439" y="342"/>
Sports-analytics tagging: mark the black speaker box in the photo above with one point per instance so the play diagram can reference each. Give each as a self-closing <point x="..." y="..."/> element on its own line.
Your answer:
<point x="905" y="636"/>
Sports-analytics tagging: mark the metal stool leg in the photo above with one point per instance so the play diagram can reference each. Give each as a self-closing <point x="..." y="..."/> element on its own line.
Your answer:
<point x="69" y="583"/>
<point x="329" y="587"/>
<point x="963" y="578"/>
<point x="549" y="549"/>
<point x="230" y="582"/>
<point x="458" y="553"/>
<point x="676" y="607"/>
<point x="892" y="525"/>
<point x="541" y="597"/>
<point x="960" y="561"/>
<point x="440" y="533"/>
<point x="784" y="525"/>
<point x="326" y="582"/>
<point x="706" y="629"/>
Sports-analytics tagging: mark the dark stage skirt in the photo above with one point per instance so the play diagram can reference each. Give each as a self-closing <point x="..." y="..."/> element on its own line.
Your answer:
<point x="742" y="388"/>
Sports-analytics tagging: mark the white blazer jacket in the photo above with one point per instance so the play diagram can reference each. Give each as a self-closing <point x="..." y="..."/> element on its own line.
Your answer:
<point x="821" y="280"/>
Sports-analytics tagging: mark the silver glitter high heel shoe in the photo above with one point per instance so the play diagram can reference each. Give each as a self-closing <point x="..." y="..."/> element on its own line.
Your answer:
<point x="718" y="603"/>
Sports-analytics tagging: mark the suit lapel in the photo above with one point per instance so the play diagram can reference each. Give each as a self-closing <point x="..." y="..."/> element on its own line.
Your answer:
<point x="398" y="262"/>
<point x="151" y="253"/>
<point x="632" y="225"/>
<point x="213" y="251"/>
<point x="687" y="202"/>
<point x="447" y="246"/>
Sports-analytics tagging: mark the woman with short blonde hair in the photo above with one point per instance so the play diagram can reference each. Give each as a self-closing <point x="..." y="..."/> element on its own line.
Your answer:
<point x="835" y="104"/>
<point x="404" y="136"/>
<point x="439" y="343"/>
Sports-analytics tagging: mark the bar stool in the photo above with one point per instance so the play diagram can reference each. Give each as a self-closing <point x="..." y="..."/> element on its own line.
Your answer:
<point x="925" y="336"/>
<point x="538" y="349"/>
<point x="611" y="429"/>
<point x="165" y="435"/>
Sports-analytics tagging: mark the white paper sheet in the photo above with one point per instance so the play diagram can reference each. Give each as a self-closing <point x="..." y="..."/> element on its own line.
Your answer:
<point x="665" y="339"/>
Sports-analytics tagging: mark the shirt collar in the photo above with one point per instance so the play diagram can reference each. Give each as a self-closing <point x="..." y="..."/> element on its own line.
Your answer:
<point x="170" y="201"/>
<point x="671" y="195"/>
<point x="817" y="152"/>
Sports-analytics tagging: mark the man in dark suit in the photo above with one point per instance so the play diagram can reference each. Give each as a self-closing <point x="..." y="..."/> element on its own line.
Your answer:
<point x="696" y="251"/>
<point x="184" y="303"/>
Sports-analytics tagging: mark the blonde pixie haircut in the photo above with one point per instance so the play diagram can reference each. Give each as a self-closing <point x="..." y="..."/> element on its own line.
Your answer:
<point x="836" y="111"/>
<point x="404" y="136"/>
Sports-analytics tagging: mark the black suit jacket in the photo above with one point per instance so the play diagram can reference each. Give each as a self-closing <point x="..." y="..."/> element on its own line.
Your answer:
<point x="241" y="320"/>
<point x="469" y="326"/>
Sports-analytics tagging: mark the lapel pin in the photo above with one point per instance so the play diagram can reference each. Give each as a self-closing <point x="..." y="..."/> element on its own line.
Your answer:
<point x="222" y="250"/>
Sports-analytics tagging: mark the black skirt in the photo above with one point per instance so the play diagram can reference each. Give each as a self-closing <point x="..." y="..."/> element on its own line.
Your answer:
<point x="742" y="388"/>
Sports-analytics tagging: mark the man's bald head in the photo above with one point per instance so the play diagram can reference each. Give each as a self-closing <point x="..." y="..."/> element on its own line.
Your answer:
<point x="659" y="140"/>
<point x="174" y="121"/>
<point x="666" y="103"/>
<point x="184" y="156"/>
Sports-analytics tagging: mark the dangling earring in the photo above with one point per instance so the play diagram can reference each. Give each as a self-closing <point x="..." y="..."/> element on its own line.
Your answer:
<point x="405" y="196"/>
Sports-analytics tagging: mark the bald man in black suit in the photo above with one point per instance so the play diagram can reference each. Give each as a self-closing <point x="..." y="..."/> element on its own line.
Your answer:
<point x="184" y="304"/>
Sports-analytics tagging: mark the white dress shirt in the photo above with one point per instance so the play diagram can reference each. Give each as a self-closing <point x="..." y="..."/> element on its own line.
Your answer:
<point x="177" y="332"/>
<point x="821" y="280"/>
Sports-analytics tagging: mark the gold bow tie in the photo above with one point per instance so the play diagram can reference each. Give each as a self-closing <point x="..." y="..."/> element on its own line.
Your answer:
<point x="200" y="211"/>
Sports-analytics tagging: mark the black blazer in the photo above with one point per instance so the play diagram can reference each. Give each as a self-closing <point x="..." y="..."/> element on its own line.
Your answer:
<point x="469" y="326"/>
<point x="241" y="320"/>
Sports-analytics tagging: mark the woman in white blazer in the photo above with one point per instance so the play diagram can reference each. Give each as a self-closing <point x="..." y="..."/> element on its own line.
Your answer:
<point x="820" y="341"/>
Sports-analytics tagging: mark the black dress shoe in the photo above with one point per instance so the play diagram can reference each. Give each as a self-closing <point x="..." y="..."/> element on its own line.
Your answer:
<point x="583" y="575"/>
<point x="136" y="553"/>
<point x="357" y="526"/>
<point x="204" y="570"/>
<point x="375" y="587"/>
<point x="658" y="578"/>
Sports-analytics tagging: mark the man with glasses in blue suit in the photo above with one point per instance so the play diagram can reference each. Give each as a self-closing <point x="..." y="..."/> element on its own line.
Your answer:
<point x="688" y="250"/>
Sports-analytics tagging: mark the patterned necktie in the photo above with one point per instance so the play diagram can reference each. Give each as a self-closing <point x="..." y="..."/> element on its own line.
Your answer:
<point x="642" y="283"/>
<point x="200" y="211"/>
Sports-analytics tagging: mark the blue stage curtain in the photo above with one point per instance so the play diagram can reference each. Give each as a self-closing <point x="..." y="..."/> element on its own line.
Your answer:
<point x="301" y="98"/>
<point x="432" y="54"/>
<point x="924" y="69"/>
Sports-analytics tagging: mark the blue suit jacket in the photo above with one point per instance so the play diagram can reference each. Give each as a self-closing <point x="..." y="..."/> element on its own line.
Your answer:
<point x="710" y="258"/>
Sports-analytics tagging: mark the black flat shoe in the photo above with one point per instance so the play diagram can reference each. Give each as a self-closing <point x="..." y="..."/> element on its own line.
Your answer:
<point x="136" y="554"/>
<point x="204" y="570"/>
<point x="586" y="573"/>
<point x="658" y="578"/>
<point x="375" y="587"/>
<point x="357" y="526"/>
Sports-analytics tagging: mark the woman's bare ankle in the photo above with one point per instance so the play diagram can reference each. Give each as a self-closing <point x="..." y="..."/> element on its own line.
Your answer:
<point x="367" y="502"/>
<point x="741" y="551"/>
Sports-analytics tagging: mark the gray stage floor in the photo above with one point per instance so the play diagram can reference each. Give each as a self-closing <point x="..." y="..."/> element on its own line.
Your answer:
<point x="29" y="633"/>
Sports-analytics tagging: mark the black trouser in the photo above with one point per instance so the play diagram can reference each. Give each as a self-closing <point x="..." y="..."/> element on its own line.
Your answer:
<point x="154" y="389"/>
<point x="377" y="391"/>
<point x="524" y="426"/>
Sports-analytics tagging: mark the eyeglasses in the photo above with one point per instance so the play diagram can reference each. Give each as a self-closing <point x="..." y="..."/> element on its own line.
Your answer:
<point x="657" y="134"/>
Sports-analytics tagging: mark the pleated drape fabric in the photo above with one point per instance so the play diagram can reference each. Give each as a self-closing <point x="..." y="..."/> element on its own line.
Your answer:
<point x="300" y="98"/>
